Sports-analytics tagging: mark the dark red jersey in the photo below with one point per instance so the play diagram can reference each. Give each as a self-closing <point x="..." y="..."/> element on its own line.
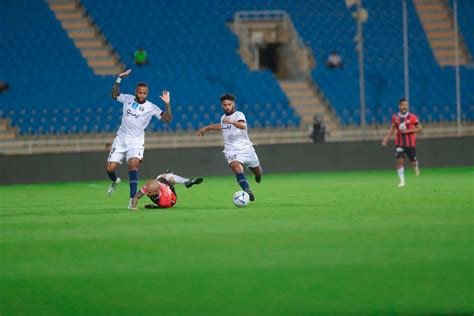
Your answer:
<point x="401" y="122"/>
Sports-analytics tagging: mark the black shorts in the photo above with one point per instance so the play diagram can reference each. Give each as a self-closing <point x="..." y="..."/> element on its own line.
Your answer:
<point x="409" y="151"/>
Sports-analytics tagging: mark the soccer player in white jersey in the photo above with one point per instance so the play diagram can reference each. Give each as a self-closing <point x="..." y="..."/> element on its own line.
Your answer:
<point x="238" y="149"/>
<point x="130" y="139"/>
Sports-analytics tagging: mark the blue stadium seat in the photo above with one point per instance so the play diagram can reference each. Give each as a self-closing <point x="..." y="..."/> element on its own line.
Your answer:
<point x="193" y="54"/>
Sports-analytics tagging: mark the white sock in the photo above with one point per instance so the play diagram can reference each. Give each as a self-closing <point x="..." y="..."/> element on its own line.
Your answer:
<point x="416" y="164"/>
<point x="177" y="179"/>
<point x="401" y="174"/>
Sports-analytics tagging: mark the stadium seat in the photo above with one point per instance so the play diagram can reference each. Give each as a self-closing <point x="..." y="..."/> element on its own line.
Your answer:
<point x="193" y="54"/>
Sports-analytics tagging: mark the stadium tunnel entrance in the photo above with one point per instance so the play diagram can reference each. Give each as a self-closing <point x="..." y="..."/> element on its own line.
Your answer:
<point x="268" y="40"/>
<point x="269" y="57"/>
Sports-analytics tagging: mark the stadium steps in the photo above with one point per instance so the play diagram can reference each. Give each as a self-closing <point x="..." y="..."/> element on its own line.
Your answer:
<point x="6" y="131"/>
<point x="438" y="22"/>
<point x="87" y="37"/>
<point x="308" y="102"/>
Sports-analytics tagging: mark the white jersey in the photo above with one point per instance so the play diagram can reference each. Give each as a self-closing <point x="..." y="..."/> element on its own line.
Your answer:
<point x="136" y="117"/>
<point x="235" y="139"/>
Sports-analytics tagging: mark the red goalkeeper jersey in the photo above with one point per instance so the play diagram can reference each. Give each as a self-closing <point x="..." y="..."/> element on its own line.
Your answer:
<point x="401" y="122"/>
<point x="166" y="198"/>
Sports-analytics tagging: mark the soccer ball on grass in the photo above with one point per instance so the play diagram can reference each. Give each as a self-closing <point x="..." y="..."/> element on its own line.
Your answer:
<point x="241" y="198"/>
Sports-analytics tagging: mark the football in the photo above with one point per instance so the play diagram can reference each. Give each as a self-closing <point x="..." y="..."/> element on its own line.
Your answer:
<point x="241" y="198"/>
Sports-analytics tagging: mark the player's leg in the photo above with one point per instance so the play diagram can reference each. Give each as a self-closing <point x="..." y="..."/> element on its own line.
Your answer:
<point x="400" y="171"/>
<point x="134" y="158"/>
<point x="416" y="166"/>
<point x="133" y="165"/>
<point x="255" y="167"/>
<point x="175" y="178"/>
<point x="111" y="169"/>
<point x="112" y="173"/>
<point x="115" y="158"/>
<point x="238" y="169"/>
<point x="250" y="159"/>
<point x="399" y="164"/>
<point x="411" y="153"/>
<point x="192" y="182"/>
<point x="257" y="171"/>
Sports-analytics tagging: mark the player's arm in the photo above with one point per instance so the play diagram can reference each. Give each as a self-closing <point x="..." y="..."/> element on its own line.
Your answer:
<point x="240" y="124"/>
<point x="418" y="127"/>
<point x="389" y="134"/>
<point x="152" y="206"/>
<point x="135" y="199"/>
<point x="167" y="116"/>
<point x="212" y="127"/>
<point x="115" y="87"/>
<point x="415" y="129"/>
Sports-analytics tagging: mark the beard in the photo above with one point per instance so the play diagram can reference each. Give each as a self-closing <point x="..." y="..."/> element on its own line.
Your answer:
<point x="141" y="101"/>
<point x="229" y="112"/>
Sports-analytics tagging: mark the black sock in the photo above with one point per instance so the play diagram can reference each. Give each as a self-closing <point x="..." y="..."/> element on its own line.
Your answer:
<point x="112" y="175"/>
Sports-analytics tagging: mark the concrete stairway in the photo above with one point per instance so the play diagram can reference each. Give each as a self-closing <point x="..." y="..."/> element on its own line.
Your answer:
<point x="438" y="21"/>
<point x="7" y="132"/>
<point x="87" y="37"/>
<point x="307" y="102"/>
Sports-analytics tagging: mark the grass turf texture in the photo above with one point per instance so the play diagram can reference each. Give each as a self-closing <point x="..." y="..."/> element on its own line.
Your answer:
<point x="313" y="243"/>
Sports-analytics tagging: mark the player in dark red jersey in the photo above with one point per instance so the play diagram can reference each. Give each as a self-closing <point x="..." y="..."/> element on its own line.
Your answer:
<point x="406" y="125"/>
<point x="161" y="190"/>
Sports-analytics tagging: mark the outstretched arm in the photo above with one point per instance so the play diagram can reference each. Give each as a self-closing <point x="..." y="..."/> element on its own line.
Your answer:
<point x="167" y="116"/>
<point x="115" y="87"/>
<point x="389" y="134"/>
<point x="137" y="196"/>
<point x="212" y="127"/>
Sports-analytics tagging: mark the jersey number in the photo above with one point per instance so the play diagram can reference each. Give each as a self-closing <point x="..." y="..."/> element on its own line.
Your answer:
<point x="112" y="151"/>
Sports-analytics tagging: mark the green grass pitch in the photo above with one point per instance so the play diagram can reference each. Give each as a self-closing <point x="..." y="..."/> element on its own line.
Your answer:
<point x="312" y="244"/>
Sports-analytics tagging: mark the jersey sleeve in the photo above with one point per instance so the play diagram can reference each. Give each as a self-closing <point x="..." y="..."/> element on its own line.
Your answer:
<point x="414" y="119"/>
<point x="240" y="117"/>
<point x="394" y="120"/>
<point x="122" y="97"/>
<point x="157" y="111"/>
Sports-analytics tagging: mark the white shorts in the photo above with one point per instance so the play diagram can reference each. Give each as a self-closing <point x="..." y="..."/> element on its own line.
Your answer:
<point x="247" y="157"/>
<point x="128" y="148"/>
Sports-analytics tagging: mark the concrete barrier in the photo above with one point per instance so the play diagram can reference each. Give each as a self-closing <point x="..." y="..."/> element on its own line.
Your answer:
<point x="340" y="156"/>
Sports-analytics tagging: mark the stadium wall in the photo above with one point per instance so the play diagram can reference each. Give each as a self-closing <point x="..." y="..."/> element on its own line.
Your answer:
<point x="341" y="156"/>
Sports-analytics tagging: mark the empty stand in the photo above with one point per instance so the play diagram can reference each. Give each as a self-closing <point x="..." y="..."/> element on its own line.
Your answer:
<point x="87" y="37"/>
<point x="197" y="67"/>
<point x="194" y="55"/>
<point x="437" y="20"/>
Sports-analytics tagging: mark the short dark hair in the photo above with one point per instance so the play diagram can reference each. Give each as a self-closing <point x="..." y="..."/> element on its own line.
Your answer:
<point x="142" y="84"/>
<point x="402" y="100"/>
<point x="227" y="96"/>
